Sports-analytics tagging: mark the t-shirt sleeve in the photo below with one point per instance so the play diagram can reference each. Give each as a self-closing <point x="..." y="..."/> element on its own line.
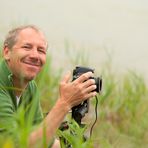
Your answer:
<point x="6" y="109"/>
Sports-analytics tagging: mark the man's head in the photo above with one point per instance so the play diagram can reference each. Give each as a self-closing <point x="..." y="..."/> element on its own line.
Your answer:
<point x="25" y="52"/>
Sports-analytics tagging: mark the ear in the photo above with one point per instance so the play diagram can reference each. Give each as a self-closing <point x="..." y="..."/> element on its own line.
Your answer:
<point x="6" y="53"/>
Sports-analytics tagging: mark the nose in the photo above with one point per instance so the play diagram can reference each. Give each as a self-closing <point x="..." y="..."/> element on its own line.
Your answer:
<point x="34" y="53"/>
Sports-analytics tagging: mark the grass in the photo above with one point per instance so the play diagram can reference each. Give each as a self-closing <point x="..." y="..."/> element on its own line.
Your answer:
<point x="123" y="110"/>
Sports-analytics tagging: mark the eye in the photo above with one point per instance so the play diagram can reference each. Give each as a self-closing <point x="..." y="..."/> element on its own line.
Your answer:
<point x="42" y="50"/>
<point x="26" y="47"/>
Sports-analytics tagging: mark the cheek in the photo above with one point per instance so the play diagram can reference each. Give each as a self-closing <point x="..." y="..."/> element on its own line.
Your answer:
<point x="14" y="61"/>
<point x="16" y="56"/>
<point x="43" y="59"/>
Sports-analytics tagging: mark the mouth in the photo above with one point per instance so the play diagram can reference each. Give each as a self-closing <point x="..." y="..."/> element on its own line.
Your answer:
<point x="30" y="63"/>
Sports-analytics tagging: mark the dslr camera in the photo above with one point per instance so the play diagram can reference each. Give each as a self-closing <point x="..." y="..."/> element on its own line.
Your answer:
<point x="78" y="112"/>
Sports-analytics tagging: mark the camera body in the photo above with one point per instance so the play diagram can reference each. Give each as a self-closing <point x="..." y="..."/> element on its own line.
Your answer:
<point x="78" y="112"/>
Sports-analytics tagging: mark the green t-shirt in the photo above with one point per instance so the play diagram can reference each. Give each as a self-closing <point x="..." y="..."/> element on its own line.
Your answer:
<point x="29" y="99"/>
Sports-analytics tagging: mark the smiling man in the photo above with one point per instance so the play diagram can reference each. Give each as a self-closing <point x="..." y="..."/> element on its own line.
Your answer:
<point x="27" y="56"/>
<point x="24" y="55"/>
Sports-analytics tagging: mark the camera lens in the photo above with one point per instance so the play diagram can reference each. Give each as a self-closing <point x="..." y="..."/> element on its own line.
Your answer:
<point x="98" y="82"/>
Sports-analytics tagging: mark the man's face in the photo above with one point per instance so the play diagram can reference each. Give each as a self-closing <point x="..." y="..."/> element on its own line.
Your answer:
<point x="28" y="55"/>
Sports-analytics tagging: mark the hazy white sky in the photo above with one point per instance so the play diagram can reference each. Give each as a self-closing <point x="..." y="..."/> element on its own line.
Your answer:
<point x="119" y="25"/>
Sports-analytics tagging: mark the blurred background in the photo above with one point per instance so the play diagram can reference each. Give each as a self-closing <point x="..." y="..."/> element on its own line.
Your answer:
<point x="110" y="36"/>
<point x="115" y="27"/>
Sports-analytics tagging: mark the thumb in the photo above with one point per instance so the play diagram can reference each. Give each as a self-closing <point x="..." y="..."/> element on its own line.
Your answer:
<point x="66" y="78"/>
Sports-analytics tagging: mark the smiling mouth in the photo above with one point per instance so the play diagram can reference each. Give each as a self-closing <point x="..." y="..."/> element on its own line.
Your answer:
<point x="32" y="64"/>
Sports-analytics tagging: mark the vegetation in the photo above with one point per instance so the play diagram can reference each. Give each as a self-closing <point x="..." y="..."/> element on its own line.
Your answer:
<point x="122" y="119"/>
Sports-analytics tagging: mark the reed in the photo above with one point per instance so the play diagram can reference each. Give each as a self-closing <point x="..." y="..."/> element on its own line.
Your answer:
<point x="123" y="111"/>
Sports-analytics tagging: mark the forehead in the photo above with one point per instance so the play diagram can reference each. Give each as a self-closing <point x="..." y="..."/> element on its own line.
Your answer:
<point x="30" y="35"/>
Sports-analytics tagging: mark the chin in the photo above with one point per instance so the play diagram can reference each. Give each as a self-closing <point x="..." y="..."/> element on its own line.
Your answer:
<point x="29" y="77"/>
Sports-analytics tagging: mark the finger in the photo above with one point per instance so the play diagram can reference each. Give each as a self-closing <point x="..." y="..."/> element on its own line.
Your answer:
<point x="66" y="78"/>
<point x="84" y="77"/>
<point x="88" y="83"/>
<point x="92" y="94"/>
<point x="90" y="88"/>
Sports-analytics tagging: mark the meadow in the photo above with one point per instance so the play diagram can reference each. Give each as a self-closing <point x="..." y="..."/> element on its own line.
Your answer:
<point x="122" y="110"/>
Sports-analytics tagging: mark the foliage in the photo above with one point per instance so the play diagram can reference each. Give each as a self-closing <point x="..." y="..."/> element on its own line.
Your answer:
<point x="74" y="136"/>
<point x="48" y="81"/>
<point x="123" y="111"/>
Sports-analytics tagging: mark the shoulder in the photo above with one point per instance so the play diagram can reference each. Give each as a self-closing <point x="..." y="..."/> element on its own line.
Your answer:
<point x="4" y="92"/>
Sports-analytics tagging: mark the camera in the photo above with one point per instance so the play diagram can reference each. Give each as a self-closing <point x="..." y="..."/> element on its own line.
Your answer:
<point x="78" y="112"/>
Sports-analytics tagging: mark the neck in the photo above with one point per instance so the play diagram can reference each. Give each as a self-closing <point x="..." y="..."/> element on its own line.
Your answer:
<point x="20" y="85"/>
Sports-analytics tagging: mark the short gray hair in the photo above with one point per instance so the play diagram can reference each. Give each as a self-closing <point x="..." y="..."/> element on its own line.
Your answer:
<point x="12" y="35"/>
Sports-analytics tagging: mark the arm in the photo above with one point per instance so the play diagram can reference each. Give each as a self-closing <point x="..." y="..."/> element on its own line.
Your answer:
<point x="71" y="94"/>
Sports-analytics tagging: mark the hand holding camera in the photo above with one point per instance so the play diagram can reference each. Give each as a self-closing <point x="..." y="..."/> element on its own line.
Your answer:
<point x="78" y="112"/>
<point x="73" y="93"/>
<point x="83" y="86"/>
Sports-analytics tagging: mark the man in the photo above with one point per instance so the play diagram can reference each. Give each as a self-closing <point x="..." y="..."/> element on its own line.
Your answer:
<point x="24" y="54"/>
